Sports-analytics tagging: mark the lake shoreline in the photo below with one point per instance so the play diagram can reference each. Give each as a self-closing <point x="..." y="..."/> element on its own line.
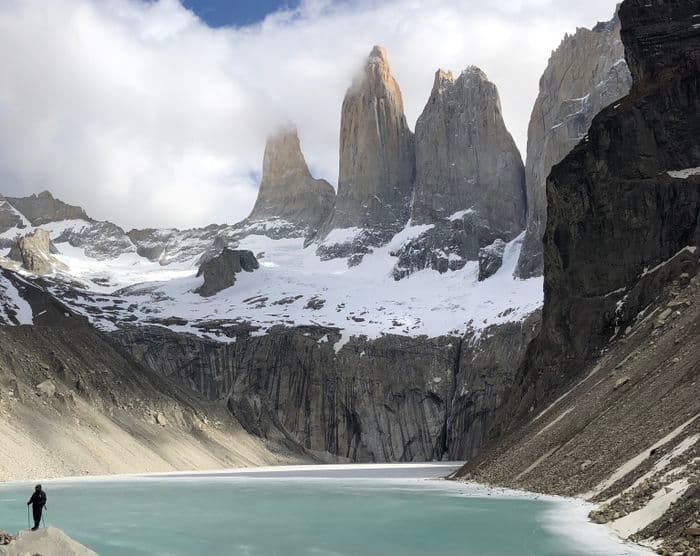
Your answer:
<point x="569" y="520"/>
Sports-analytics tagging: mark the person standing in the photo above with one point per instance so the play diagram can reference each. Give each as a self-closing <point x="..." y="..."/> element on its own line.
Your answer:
<point x="38" y="501"/>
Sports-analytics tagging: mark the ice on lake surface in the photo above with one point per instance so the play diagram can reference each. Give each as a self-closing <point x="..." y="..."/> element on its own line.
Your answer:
<point x="315" y="510"/>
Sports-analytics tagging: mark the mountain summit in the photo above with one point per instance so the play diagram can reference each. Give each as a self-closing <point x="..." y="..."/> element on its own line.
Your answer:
<point x="465" y="156"/>
<point x="377" y="160"/>
<point x="288" y="191"/>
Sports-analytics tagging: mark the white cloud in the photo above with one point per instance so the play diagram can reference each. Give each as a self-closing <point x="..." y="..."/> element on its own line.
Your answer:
<point x="145" y="116"/>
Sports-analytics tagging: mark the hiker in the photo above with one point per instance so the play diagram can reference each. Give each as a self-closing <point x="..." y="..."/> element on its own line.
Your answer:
<point x="38" y="501"/>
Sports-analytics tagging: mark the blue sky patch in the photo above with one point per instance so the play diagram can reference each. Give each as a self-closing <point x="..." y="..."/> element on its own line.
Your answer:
<point x="220" y="13"/>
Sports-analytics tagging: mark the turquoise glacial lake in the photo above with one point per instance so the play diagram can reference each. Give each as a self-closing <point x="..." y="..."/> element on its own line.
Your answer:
<point x="316" y="510"/>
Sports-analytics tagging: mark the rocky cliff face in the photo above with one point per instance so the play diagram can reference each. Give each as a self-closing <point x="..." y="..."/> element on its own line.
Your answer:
<point x="391" y="399"/>
<point x="470" y="180"/>
<point x="613" y="374"/>
<point x="34" y="251"/>
<point x="287" y="190"/>
<point x="377" y="159"/>
<point x="586" y="73"/>
<point x="465" y="156"/>
<point x="9" y="217"/>
<point x="618" y="209"/>
<point x="43" y="208"/>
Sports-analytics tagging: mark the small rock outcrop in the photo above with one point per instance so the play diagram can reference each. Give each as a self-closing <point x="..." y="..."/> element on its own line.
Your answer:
<point x="48" y="541"/>
<point x="586" y="73"/>
<point x="44" y="208"/>
<point x="377" y="158"/>
<point x="288" y="191"/>
<point x="465" y="156"/>
<point x="491" y="259"/>
<point x="220" y="272"/>
<point x="33" y="251"/>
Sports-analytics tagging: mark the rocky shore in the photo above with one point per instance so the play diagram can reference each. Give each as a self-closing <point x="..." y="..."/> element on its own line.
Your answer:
<point x="43" y="542"/>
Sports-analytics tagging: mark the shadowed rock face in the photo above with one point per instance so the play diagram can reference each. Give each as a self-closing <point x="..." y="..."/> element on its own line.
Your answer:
<point x="465" y="156"/>
<point x="43" y="208"/>
<point x="220" y="271"/>
<point x="393" y="398"/>
<point x="377" y="160"/>
<point x="623" y="206"/>
<point x="287" y="190"/>
<point x="586" y="73"/>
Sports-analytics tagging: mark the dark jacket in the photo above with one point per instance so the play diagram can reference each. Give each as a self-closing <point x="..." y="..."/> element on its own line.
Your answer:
<point x="38" y="499"/>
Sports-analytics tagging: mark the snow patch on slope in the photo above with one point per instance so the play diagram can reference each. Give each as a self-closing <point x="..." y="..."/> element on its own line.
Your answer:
<point x="292" y="287"/>
<point x="684" y="174"/>
<point x="360" y="300"/>
<point x="12" y="304"/>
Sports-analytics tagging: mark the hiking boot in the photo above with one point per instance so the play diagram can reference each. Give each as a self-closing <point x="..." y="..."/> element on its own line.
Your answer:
<point x="35" y="528"/>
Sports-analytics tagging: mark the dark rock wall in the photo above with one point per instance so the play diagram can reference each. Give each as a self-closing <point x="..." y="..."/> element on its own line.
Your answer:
<point x="619" y="226"/>
<point x="390" y="399"/>
<point x="586" y="73"/>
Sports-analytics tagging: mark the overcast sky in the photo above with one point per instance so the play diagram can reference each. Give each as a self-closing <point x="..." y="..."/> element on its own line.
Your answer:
<point x="146" y="116"/>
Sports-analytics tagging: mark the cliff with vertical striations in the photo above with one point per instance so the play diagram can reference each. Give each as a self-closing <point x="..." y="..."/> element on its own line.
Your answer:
<point x="470" y="180"/>
<point x="586" y="73"/>
<point x="287" y="190"/>
<point x="377" y="158"/>
<point x="606" y="403"/>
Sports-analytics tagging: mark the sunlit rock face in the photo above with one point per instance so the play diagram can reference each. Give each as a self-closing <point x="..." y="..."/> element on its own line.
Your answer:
<point x="288" y="191"/>
<point x="377" y="159"/>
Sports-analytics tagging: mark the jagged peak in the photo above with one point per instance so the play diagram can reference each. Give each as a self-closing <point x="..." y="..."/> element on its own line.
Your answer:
<point x="288" y="191"/>
<point x="376" y="72"/>
<point x="445" y="78"/>
<point x="442" y="78"/>
<point x="283" y="155"/>
<point x="378" y="55"/>
<point x="474" y="71"/>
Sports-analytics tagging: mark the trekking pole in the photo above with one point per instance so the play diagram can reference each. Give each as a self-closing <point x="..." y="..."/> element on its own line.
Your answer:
<point x="27" y="516"/>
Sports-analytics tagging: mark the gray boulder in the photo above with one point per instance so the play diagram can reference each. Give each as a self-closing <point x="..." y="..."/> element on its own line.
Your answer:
<point x="48" y="540"/>
<point x="220" y="272"/>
